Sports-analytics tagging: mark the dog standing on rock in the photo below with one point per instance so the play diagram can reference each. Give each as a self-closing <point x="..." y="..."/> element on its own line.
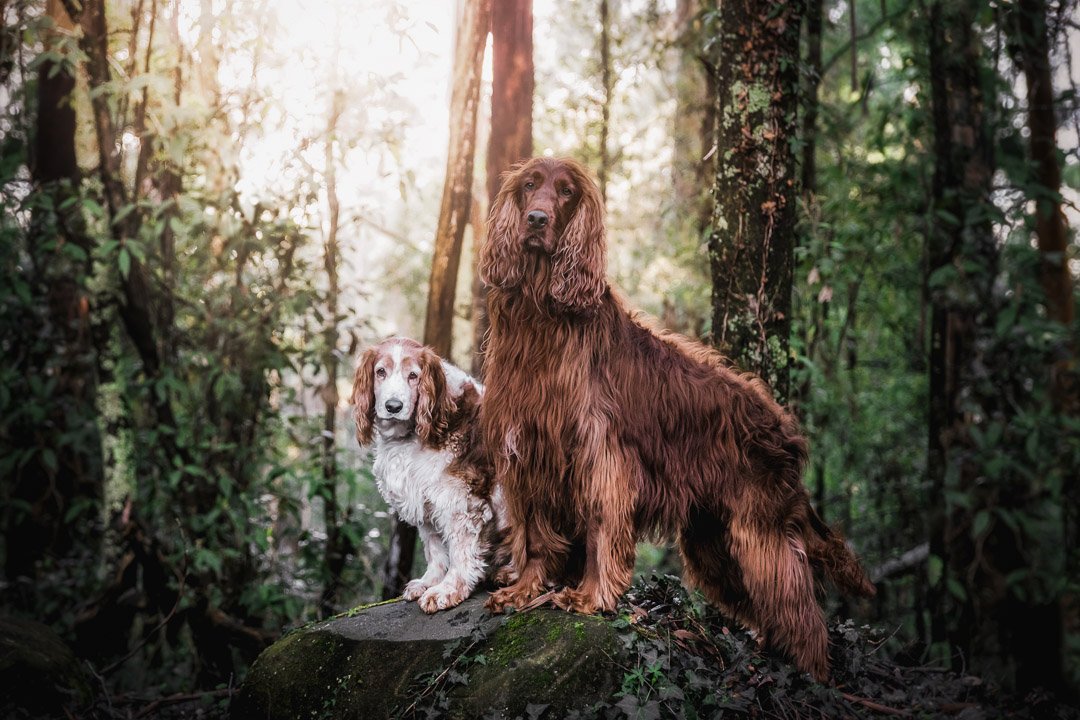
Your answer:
<point x="420" y="412"/>
<point x="604" y="429"/>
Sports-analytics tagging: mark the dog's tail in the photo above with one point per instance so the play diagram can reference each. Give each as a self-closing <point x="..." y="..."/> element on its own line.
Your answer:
<point x="828" y="550"/>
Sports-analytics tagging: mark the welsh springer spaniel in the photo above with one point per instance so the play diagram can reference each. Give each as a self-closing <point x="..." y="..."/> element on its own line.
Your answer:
<point x="420" y="414"/>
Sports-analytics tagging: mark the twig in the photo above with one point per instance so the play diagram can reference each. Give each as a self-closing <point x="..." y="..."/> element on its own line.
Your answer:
<point x="183" y="697"/>
<point x="876" y="707"/>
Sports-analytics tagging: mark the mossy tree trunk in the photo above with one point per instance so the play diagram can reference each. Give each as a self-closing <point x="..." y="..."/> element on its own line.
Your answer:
<point x="753" y="235"/>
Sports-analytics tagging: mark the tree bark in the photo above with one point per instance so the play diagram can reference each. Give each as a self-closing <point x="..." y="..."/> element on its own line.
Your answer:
<point x="751" y="247"/>
<point x="606" y="88"/>
<point x="693" y="130"/>
<point x="453" y="217"/>
<point x="334" y="557"/>
<point x="1039" y="649"/>
<point x="510" y="140"/>
<point x="1033" y="54"/>
<point x="978" y="605"/>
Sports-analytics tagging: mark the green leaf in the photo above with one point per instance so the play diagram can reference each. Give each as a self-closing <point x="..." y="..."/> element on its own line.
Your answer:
<point x="48" y="456"/>
<point x="124" y="261"/>
<point x="980" y="523"/>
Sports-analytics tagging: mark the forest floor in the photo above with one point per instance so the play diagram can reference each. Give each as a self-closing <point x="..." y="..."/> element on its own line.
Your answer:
<point x="689" y="661"/>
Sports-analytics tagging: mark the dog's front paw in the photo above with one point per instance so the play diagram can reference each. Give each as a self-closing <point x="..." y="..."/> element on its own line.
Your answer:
<point x="516" y="596"/>
<point x="443" y="596"/>
<point x="414" y="589"/>
<point x="577" y="601"/>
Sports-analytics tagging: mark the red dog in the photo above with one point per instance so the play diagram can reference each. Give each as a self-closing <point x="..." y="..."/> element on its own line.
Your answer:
<point x="604" y="429"/>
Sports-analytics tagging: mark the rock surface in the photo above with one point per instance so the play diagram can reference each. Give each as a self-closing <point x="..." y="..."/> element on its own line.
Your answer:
<point x="38" y="672"/>
<point x="387" y="659"/>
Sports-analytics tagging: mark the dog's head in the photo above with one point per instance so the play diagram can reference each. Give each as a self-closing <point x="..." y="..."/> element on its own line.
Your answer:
<point x="546" y="234"/>
<point x="400" y="386"/>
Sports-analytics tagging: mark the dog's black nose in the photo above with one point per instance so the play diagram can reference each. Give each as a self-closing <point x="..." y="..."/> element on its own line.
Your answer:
<point x="393" y="405"/>
<point x="537" y="219"/>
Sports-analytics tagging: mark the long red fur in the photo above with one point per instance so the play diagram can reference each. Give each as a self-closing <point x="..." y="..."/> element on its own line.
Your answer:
<point x="604" y="429"/>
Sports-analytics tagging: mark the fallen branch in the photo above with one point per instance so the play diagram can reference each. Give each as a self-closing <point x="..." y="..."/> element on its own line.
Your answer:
<point x="901" y="565"/>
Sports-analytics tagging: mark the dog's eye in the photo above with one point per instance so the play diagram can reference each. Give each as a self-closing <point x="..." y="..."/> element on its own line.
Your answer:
<point x="530" y="185"/>
<point x="567" y="191"/>
<point x="413" y="376"/>
<point x="380" y="373"/>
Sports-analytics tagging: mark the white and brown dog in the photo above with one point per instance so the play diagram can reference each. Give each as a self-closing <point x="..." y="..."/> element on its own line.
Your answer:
<point x="420" y="412"/>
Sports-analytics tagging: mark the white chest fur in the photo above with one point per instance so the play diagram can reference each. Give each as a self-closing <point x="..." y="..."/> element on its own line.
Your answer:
<point x="410" y="477"/>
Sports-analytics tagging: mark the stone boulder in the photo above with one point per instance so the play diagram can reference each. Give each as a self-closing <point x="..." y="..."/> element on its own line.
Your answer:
<point x="39" y="674"/>
<point x="391" y="659"/>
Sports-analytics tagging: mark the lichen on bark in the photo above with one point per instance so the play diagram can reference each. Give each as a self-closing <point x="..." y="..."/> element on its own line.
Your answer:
<point x="753" y="224"/>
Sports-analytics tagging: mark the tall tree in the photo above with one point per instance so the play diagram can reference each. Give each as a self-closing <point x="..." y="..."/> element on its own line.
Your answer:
<point x="1031" y="38"/>
<point x="453" y="218"/>
<point x="692" y="135"/>
<point x="63" y="479"/>
<point x="981" y="607"/>
<point x="753" y="239"/>
<point x="510" y="140"/>
<point x="335" y="545"/>
<point x="607" y="86"/>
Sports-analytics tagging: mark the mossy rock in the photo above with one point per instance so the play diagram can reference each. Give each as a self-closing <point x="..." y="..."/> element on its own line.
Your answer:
<point x="38" y="672"/>
<point x="377" y="661"/>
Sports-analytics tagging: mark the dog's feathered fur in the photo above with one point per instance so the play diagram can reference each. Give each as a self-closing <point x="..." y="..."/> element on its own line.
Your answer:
<point x="604" y="428"/>
<point x="429" y="464"/>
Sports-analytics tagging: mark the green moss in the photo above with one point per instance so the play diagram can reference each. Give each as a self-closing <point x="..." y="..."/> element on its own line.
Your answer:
<point x="360" y="608"/>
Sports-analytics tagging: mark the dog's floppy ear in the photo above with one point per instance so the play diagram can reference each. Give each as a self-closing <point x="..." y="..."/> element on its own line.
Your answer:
<point x="433" y="403"/>
<point x="579" y="265"/>
<point x="500" y="254"/>
<point x="363" y="396"/>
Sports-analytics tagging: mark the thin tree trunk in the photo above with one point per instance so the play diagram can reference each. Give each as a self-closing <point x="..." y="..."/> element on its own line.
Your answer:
<point x="607" y="85"/>
<point x="510" y="140"/>
<point x="335" y="554"/>
<point x="453" y="217"/>
<point x="1034" y="58"/>
<point x="751" y="247"/>
<point x="814" y="11"/>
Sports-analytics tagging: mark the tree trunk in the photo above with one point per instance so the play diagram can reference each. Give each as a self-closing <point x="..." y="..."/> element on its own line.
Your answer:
<point x="1039" y="648"/>
<point x="510" y="140"/>
<point x="970" y="597"/>
<point x="606" y="87"/>
<point x="453" y="217"/>
<point x="753" y="235"/>
<point x="814" y="11"/>
<point x="692" y="133"/>
<point x="334" y="558"/>
<point x="66" y="473"/>
<point x="1033" y="54"/>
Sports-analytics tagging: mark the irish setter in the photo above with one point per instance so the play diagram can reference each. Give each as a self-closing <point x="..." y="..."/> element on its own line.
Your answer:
<point x="604" y="429"/>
